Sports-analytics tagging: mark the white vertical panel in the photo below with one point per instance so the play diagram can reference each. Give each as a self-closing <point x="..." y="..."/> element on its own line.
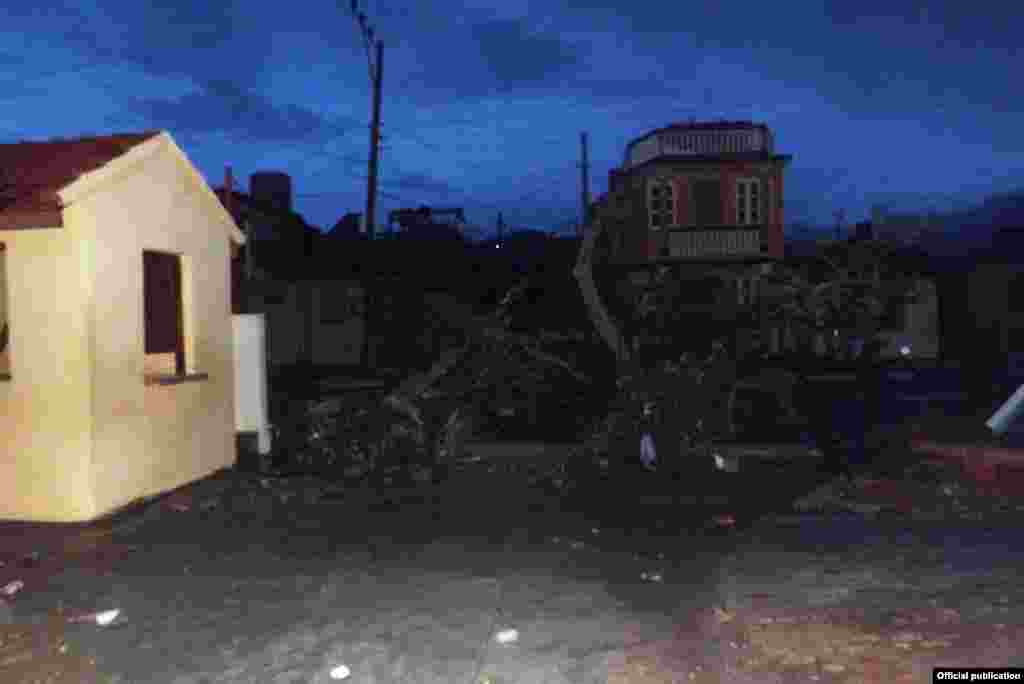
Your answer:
<point x="251" y="400"/>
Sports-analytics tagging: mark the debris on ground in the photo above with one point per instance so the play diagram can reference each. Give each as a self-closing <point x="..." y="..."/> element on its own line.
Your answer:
<point x="724" y="520"/>
<point x="926" y="490"/>
<point x="341" y="672"/>
<point x="102" y="618"/>
<point x="507" y="636"/>
<point x="12" y="588"/>
<point x="423" y="423"/>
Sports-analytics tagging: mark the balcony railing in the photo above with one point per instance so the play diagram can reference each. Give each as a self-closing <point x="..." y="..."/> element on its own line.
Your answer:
<point x="710" y="242"/>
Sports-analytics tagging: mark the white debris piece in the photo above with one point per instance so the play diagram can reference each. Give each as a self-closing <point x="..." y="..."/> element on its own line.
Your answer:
<point x="341" y="672"/>
<point x="648" y="456"/>
<point x="12" y="588"/>
<point x="507" y="636"/>
<point x="651" y="576"/>
<point x="102" y="619"/>
<point x="106" y="617"/>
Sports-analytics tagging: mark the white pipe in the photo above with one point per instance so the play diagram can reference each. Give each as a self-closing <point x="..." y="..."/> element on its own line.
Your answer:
<point x="1002" y="419"/>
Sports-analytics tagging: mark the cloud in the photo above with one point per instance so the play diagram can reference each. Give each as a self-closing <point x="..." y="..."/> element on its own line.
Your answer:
<point x="518" y="56"/>
<point x="417" y="181"/>
<point x="170" y="38"/>
<point x="228" y="107"/>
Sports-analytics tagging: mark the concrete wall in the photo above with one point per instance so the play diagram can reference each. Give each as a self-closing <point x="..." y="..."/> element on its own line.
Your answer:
<point x="45" y="409"/>
<point x="149" y="438"/>
<point x="285" y="324"/>
<point x="336" y="340"/>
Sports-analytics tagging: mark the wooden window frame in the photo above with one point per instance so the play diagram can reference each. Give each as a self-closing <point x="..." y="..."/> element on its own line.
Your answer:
<point x="664" y="214"/>
<point x="745" y="206"/>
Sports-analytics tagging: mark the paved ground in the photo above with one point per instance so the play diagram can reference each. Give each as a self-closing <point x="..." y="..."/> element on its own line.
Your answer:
<point x="239" y="579"/>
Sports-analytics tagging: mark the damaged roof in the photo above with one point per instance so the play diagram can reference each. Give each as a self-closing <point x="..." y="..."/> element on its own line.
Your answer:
<point x="32" y="173"/>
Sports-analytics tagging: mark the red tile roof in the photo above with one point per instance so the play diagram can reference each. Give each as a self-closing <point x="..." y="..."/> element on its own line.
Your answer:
<point x="31" y="174"/>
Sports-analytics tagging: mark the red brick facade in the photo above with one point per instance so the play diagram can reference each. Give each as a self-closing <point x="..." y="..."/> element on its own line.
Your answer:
<point x="627" y="203"/>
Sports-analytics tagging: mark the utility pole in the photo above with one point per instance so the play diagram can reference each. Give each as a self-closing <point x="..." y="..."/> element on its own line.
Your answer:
<point x="376" y="65"/>
<point x="840" y="215"/>
<point x="371" y="186"/>
<point x="376" y="80"/>
<point x="585" y="180"/>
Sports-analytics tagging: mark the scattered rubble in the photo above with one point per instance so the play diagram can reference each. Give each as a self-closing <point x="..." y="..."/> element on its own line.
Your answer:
<point x="926" y="491"/>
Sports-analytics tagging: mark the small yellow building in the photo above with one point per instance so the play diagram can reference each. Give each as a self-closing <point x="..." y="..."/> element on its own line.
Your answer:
<point x="116" y="369"/>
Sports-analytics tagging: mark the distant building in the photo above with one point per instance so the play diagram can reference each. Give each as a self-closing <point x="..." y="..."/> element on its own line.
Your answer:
<point x="428" y="222"/>
<point x="697" y="191"/>
<point x="312" y="306"/>
<point x="904" y="228"/>
<point x="350" y="226"/>
<point x="864" y="230"/>
<point x="279" y="238"/>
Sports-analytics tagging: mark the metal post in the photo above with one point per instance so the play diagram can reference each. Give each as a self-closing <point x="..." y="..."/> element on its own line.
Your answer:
<point x="371" y="187"/>
<point x="585" y="187"/>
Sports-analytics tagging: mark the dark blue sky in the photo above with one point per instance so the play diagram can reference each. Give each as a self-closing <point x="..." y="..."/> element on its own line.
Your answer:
<point x="901" y="102"/>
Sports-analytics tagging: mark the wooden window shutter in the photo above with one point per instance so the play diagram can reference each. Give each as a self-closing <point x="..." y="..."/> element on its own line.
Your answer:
<point x="728" y="198"/>
<point x="682" y="204"/>
<point x="162" y="304"/>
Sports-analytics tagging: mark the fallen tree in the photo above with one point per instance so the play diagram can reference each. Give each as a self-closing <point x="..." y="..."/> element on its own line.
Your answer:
<point x="422" y="423"/>
<point x="685" y="399"/>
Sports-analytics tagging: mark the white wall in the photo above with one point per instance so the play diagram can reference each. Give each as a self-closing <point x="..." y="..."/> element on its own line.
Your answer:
<point x="149" y="439"/>
<point x="45" y="416"/>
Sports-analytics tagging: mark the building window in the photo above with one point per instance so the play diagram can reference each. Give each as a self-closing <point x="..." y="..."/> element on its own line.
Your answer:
<point x="707" y="201"/>
<point x="748" y="202"/>
<point x="660" y="203"/>
<point x="164" y="314"/>
<point x="5" y="332"/>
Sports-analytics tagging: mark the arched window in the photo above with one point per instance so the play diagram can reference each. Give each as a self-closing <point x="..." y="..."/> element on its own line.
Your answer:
<point x="660" y="203"/>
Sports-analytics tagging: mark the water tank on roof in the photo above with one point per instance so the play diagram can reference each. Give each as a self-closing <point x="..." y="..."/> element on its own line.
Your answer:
<point x="273" y="188"/>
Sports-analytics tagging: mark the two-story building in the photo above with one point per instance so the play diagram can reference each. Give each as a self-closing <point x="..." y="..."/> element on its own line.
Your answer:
<point x="703" y="201"/>
<point x="695" y="191"/>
